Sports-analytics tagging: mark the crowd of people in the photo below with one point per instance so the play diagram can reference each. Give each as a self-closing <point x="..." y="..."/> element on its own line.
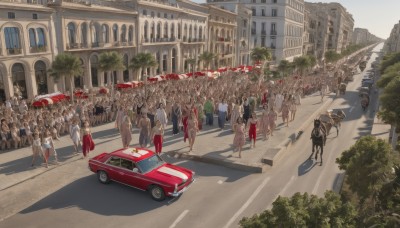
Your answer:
<point x="233" y="98"/>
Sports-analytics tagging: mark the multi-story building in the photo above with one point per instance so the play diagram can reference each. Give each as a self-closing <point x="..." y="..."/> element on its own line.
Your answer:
<point x="393" y="42"/>
<point x="27" y="48"/>
<point x="86" y="30"/>
<point x="363" y="36"/>
<point x="330" y="27"/>
<point x="243" y="44"/>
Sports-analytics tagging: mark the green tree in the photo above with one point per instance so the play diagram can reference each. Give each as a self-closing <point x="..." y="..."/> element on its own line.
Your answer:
<point x="390" y="73"/>
<point x="304" y="210"/>
<point x="302" y="63"/>
<point x="68" y="66"/>
<point x="331" y="56"/>
<point x="207" y="57"/>
<point x="109" y="62"/>
<point x="389" y="60"/>
<point x="142" y="61"/>
<point x="365" y="163"/>
<point x="192" y="63"/>
<point x="390" y="102"/>
<point x="260" y="55"/>
<point x="313" y="60"/>
<point x="284" y="67"/>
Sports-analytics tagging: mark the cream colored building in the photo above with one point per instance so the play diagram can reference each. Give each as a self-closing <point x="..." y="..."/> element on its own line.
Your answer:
<point x="27" y="47"/>
<point x="393" y="42"/>
<point x="330" y="27"/>
<point x="363" y="36"/>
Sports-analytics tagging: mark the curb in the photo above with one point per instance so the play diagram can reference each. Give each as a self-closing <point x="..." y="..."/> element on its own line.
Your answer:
<point x="255" y="168"/>
<point x="285" y="145"/>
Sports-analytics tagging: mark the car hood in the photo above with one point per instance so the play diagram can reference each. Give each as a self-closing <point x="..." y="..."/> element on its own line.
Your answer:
<point x="171" y="174"/>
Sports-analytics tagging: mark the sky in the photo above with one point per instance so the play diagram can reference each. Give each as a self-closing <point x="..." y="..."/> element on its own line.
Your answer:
<point x="378" y="16"/>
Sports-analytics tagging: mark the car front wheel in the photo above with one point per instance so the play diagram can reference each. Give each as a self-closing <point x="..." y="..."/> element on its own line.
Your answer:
<point x="157" y="193"/>
<point x="103" y="177"/>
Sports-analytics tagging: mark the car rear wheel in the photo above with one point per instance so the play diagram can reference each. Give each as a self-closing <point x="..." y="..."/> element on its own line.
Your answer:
<point x="103" y="177"/>
<point x="157" y="193"/>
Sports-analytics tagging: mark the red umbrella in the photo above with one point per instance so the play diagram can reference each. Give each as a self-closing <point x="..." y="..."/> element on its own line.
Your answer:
<point x="103" y="91"/>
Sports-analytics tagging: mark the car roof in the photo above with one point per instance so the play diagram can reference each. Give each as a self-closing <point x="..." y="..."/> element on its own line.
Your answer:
<point x="133" y="153"/>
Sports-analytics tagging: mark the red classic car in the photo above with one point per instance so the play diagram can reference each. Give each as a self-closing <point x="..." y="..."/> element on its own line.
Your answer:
<point x="142" y="169"/>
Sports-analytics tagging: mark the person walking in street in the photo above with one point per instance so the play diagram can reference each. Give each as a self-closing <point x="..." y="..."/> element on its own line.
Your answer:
<point x="37" y="149"/>
<point x="87" y="140"/>
<point x="126" y="131"/>
<point x="75" y="135"/>
<point x="264" y="122"/>
<point x="272" y="117"/>
<point x="239" y="139"/>
<point x="292" y="108"/>
<point x="157" y="134"/>
<point x="161" y="115"/>
<point x="285" y="112"/>
<point x="176" y="115"/>
<point x="237" y="111"/>
<point x="222" y="113"/>
<point x="246" y="110"/>
<point x="209" y="111"/>
<point x="144" y="127"/>
<point x="192" y="130"/>
<point x="253" y="122"/>
<point x="118" y="119"/>
<point x="48" y="147"/>
<point x="200" y="113"/>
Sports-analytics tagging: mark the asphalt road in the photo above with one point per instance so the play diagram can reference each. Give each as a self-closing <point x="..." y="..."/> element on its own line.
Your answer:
<point x="219" y="198"/>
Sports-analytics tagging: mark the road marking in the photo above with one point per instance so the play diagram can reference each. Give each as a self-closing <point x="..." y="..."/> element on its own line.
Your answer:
<point x="245" y="205"/>
<point x="180" y="217"/>
<point x="351" y="109"/>
<point x="287" y="185"/>
<point x="220" y="182"/>
<point x="179" y="162"/>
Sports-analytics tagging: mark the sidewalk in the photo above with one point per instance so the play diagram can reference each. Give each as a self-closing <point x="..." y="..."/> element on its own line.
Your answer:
<point x="212" y="146"/>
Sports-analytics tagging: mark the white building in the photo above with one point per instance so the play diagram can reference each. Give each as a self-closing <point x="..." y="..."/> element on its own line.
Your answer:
<point x="393" y="42"/>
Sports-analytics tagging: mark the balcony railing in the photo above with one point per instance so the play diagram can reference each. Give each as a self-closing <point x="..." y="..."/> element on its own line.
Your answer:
<point x="224" y="39"/>
<point x="72" y="46"/>
<point x="84" y="45"/>
<point x="38" y="49"/>
<point x="273" y="33"/>
<point x="95" y="44"/>
<point x="14" y="51"/>
<point x="253" y="32"/>
<point x="158" y="40"/>
<point x="263" y="32"/>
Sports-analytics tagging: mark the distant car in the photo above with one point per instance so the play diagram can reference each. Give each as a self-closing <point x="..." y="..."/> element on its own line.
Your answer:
<point x="143" y="169"/>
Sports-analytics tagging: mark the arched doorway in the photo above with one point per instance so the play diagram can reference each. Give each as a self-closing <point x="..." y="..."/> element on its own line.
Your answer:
<point x="78" y="80"/>
<point x="94" y="61"/>
<point x="2" y="89"/>
<point x="126" y="71"/>
<point x="41" y="77"/>
<point x="18" y="79"/>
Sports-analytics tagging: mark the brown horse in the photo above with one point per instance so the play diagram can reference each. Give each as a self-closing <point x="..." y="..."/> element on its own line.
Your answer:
<point x="318" y="137"/>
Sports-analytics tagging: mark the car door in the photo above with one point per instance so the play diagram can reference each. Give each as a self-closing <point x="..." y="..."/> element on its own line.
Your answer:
<point x="132" y="175"/>
<point x="114" y="168"/>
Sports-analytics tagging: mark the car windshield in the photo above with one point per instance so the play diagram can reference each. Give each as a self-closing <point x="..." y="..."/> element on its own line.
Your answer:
<point x="150" y="163"/>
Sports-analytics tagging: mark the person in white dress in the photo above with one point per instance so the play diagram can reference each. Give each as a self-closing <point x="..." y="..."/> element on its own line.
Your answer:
<point x="161" y="115"/>
<point x="75" y="135"/>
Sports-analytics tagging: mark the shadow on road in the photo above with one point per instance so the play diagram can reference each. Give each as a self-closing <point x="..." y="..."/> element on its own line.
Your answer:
<point x="306" y="167"/>
<point x="90" y="195"/>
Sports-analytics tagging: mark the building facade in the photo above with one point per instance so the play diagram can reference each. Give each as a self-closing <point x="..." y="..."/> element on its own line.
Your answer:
<point x="393" y="42"/>
<point x="330" y="27"/>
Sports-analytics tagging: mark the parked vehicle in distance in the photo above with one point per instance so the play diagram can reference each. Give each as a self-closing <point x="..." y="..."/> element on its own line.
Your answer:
<point x="142" y="169"/>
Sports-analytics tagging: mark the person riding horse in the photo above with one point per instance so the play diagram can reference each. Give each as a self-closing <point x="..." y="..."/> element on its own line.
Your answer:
<point x="364" y="102"/>
<point x="318" y="137"/>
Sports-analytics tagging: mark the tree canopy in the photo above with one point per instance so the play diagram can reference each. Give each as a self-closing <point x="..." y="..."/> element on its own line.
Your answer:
<point x="302" y="63"/>
<point x="111" y="61"/>
<point x="390" y="73"/>
<point x="304" y="210"/>
<point x="260" y="54"/>
<point x="284" y="67"/>
<point x="143" y="61"/>
<point x="390" y="102"/>
<point x="66" y="65"/>
<point x="207" y="57"/>
<point x="332" y="56"/>
<point x="389" y="60"/>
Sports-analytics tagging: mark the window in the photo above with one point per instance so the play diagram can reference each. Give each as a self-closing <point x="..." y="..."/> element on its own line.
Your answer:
<point x="274" y="12"/>
<point x="152" y="14"/>
<point x="11" y="15"/>
<point x="263" y="12"/>
<point x="126" y="164"/>
<point x="145" y="12"/>
<point x="114" y="161"/>
<point x="263" y="1"/>
<point x="253" y="10"/>
<point x="84" y="30"/>
<point x="105" y="33"/>
<point x="253" y="1"/>
<point x="172" y="16"/>
<point x="123" y="33"/>
<point x="262" y="42"/>
<point x="158" y="15"/>
<point x="165" y="15"/>
<point x="32" y="37"/>
<point x="34" y="16"/>
<point x="41" y="37"/>
<point x="115" y="33"/>
<point x="71" y="33"/>
<point x="274" y="1"/>
<point x="164" y="63"/>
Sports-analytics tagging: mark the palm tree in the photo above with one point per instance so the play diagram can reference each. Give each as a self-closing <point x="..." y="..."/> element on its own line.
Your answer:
<point x="143" y="61"/>
<point x="109" y="62"/>
<point x="207" y="57"/>
<point x="68" y="66"/>
<point x="313" y="60"/>
<point x="260" y="55"/>
<point x="302" y="63"/>
<point x="331" y="56"/>
<point x="284" y="67"/>
<point x="192" y="62"/>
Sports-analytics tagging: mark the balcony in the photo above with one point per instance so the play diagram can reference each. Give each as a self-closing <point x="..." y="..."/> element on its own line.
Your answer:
<point x="84" y="45"/>
<point x="72" y="46"/>
<point x="95" y="45"/>
<point x="124" y="43"/>
<point x="38" y="49"/>
<point x="156" y="40"/>
<point x="273" y="33"/>
<point x="253" y="32"/>
<point x="14" y="51"/>
<point x="117" y="44"/>
<point x="263" y="32"/>
<point x="223" y="39"/>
